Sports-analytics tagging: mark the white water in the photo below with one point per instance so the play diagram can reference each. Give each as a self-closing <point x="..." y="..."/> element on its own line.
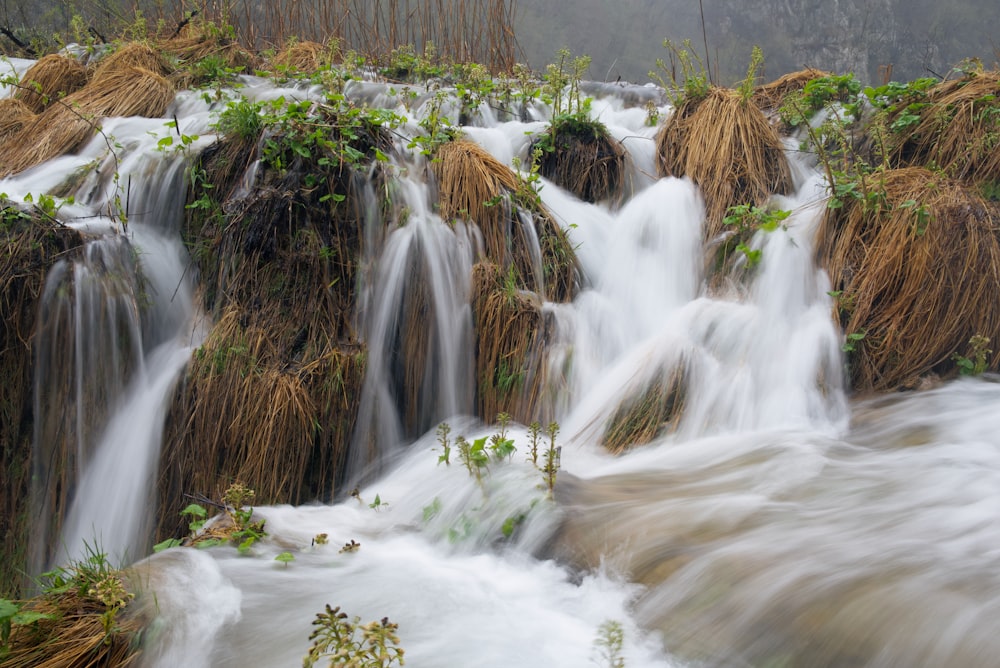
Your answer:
<point x="777" y="525"/>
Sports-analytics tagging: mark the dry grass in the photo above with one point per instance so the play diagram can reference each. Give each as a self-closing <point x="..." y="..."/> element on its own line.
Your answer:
<point x="958" y="129"/>
<point x="199" y="40"/>
<point x="730" y="151"/>
<point x="917" y="269"/>
<point x="585" y="160"/>
<point x="50" y="78"/>
<point x="64" y="127"/>
<point x="647" y="412"/>
<point x="132" y="55"/>
<point x="73" y="637"/>
<point x="305" y="57"/>
<point x="475" y="186"/>
<point x="279" y="377"/>
<point x="13" y="115"/>
<point x="770" y="96"/>
<point x="510" y="355"/>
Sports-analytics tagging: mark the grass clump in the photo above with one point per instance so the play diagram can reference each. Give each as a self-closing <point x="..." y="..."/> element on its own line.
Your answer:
<point x="914" y="264"/>
<point x="81" y="618"/>
<point x="50" y="78"/>
<point x="726" y="146"/>
<point x="647" y="412"/>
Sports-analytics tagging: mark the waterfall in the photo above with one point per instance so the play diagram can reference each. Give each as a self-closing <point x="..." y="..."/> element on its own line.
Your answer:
<point x="116" y="328"/>
<point x="765" y="519"/>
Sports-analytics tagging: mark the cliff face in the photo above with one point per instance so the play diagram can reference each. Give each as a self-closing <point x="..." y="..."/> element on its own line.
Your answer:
<point x="866" y="37"/>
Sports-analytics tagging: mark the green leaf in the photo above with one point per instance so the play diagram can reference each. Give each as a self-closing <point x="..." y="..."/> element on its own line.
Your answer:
<point x="166" y="545"/>
<point x="285" y="558"/>
<point x="195" y="510"/>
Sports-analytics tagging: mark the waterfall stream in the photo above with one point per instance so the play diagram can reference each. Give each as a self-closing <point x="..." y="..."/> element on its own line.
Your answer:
<point x="778" y="523"/>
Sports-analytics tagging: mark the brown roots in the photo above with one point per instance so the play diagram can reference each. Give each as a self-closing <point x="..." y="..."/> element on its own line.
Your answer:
<point x="726" y="146"/>
<point x="915" y="264"/>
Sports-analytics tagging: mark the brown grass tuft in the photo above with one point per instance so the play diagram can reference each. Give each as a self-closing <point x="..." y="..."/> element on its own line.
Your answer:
<point x="958" y="129"/>
<point x="304" y="57"/>
<point x="477" y="187"/>
<point x="67" y="125"/>
<point x="585" y="160"/>
<point x="132" y="55"/>
<point x="73" y="636"/>
<point x="769" y="96"/>
<point x="50" y="78"/>
<point x="510" y="355"/>
<point x="727" y="147"/>
<point x="916" y="265"/>
<point x="272" y="396"/>
<point x="200" y="40"/>
<point x="647" y="412"/>
<point x="13" y="115"/>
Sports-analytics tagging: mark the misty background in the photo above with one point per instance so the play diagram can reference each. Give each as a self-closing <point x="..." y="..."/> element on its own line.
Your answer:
<point x="867" y="37"/>
<point x="874" y="39"/>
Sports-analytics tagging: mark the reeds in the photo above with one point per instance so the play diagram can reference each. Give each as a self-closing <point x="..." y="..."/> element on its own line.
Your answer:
<point x="279" y="377"/>
<point x="915" y="264"/>
<point x="129" y="56"/>
<point x="727" y="147"/>
<point x="304" y="56"/>
<point x="769" y="97"/>
<point x="50" y="78"/>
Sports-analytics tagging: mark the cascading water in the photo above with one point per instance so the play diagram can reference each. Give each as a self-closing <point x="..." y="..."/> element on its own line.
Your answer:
<point x="774" y="524"/>
<point x="126" y="311"/>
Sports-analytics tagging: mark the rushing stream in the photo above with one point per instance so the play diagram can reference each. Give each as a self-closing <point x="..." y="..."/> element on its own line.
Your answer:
<point x="778" y="524"/>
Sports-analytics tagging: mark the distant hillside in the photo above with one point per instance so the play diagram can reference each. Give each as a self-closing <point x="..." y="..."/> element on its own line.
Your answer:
<point x="624" y="38"/>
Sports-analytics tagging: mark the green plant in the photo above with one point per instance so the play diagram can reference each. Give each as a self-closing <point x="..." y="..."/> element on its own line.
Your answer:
<point x="609" y="644"/>
<point x="501" y="446"/>
<point x="746" y="219"/>
<point x="749" y="82"/>
<point x="977" y="361"/>
<point x="241" y="118"/>
<point x="378" y="503"/>
<point x="534" y="433"/>
<point x="348" y="642"/>
<point x="561" y="87"/>
<point x="285" y="558"/>
<point x="852" y="340"/>
<point x="442" y="433"/>
<point x="692" y="83"/>
<point x="553" y="456"/>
